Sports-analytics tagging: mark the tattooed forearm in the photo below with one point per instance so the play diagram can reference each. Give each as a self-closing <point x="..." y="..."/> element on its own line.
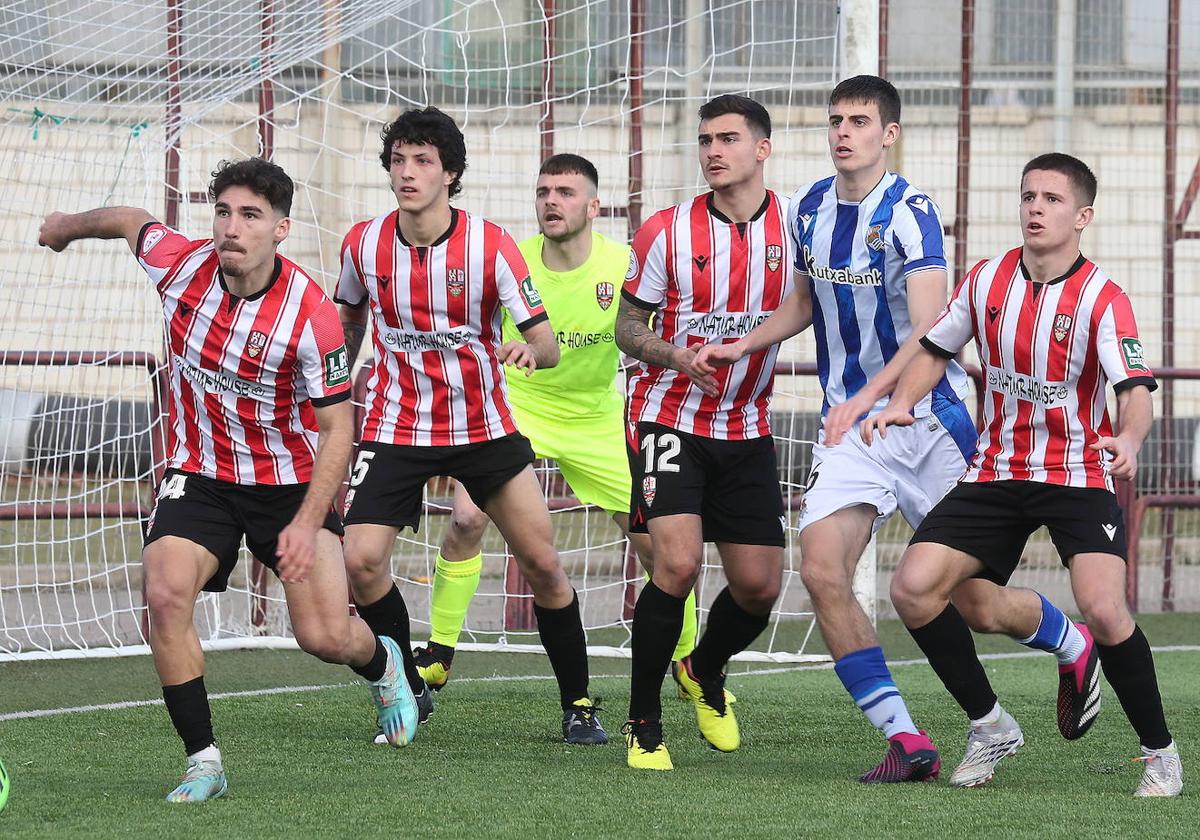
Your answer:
<point x="636" y="339"/>
<point x="354" y="325"/>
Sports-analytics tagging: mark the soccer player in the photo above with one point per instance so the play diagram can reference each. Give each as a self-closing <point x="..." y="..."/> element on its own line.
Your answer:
<point x="702" y="456"/>
<point x="572" y="413"/>
<point x="435" y="278"/>
<point x="871" y="276"/>
<point x="261" y="432"/>
<point x="1052" y="330"/>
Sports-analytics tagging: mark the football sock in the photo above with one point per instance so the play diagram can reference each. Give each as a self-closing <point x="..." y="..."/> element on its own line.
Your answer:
<point x="1129" y="669"/>
<point x="730" y="630"/>
<point x="187" y="704"/>
<point x="866" y="677"/>
<point x="389" y="617"/>
<point x="454" y="585"/>
<point x="561" y="632"/>
<point x="373" y="670"/>
<point x="657" y="620"/>
<point x="209" y="753"/>
<point x="946" y="642"/>
<point x="1056" y="634"/>
<point x="991" y="718"/>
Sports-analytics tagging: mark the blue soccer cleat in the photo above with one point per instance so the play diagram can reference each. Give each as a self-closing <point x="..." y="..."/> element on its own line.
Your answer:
<point x="395" y="706"/>
<point x="204" y="780"/>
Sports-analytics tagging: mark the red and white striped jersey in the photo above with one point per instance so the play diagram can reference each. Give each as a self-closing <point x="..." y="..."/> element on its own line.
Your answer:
<point x="708" y="279"/>
<point x="1047" y="351"/>
<point x="245" y="372"/>
<point x="435" y="379"/>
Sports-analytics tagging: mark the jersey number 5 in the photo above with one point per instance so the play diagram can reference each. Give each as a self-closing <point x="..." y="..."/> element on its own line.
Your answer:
<point x="360" y="468"/>
<point x="668" y="450"/>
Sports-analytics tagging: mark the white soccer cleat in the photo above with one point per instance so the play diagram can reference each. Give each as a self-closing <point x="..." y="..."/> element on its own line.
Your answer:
<point x="1164" y="772"/>
<point x="986" y="746"/>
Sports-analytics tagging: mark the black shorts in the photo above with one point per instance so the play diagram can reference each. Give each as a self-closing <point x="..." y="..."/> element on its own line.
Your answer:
<point x="388" y="480"/>
<point x="992" y="521"/>
<point x="217" y="514"/>
<point x="733" y="485"/>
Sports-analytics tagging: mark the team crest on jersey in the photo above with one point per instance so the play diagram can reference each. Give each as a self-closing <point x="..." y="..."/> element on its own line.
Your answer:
<point x="456" y="281"/>
<point x="633" y="265"/>
<point x="774" y="257"/>
<point x="152" y="239"/>
<point x="604" y="295"/>
<point x="649" y="488"/>
<point x="875" y="237"/>
<point x="255" y="344"/>
<point x="1062" y="326"/>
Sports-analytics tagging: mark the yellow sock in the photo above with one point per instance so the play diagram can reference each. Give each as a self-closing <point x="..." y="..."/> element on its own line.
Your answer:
<point x="687" y="638"/>
<point x="454" y="586"/>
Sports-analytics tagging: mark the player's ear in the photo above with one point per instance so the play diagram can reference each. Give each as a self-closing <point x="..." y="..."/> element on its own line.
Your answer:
<point x="282" y="228"/>
<point x="593" y="207"/>
<point x="763" y="150"/>
<point x="1084" y="218"/>
<point x="891" y="133"/>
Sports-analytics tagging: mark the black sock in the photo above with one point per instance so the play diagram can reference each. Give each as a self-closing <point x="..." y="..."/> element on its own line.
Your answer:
<point x="187" y="704"/>
<point x="730" y="629"/>
<point x="389" y="617"/>
<point x="373" y="670"/>
<point x="657" y="623"/>
<point x="1129" y="669"/>
<point x="948" y="644"/>
<point x="561" y="632"/>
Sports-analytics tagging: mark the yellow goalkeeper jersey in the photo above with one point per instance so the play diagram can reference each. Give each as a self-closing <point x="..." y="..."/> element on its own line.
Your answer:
<point x="582" y="305"/>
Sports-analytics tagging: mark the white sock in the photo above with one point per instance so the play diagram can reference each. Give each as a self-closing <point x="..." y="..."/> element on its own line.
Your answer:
<point x="209" y="753"/>
<point x="1072" y="646"/>
<point x="991" y="718"/>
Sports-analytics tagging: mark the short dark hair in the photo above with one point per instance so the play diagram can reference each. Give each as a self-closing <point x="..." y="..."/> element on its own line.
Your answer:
<point x="1083" y="180"/>
<point x="431" y="127"/>
<point x="263" y="178"/>
<point x="873" y="89"/>
<point x="569" y="164"/>
<point x="756" y="115"/>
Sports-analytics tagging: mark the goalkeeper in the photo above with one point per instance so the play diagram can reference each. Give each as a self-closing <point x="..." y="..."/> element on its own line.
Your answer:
<point x="572" y="413"/>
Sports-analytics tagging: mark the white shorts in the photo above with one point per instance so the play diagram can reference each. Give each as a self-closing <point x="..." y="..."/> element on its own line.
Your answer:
<point x="911" y="469"/>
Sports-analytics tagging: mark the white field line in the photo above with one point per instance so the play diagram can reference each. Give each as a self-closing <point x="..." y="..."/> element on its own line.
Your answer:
<point x="502" y="678"/>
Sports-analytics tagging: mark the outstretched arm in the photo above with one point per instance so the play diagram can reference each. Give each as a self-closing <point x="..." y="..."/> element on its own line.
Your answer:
<point x="636" y="339"/>
<point x="792" y="317"/>
<point x="61" y="229"/>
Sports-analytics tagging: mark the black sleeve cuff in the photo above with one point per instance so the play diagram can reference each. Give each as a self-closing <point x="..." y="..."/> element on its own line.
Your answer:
<point x="1132" y="382"/>
<point x="532" y="322"/>
<point x="638" y="302"/>
<point x="934" y="349"/>
<point x="332" y="399"/>
<point x="345" y="302"/>
<point x="142" y="235"/>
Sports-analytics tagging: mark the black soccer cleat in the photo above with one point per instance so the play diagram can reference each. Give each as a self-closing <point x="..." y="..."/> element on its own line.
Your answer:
<point x="581" y="724"/>
<point x="433" y="663"/>
<point x="910" y="758"/>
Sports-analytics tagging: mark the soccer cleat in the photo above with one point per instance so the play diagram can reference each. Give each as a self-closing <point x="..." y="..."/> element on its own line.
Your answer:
<point x="910" y="758"/>
<point x="646" y="748"/>
<point x="203" y="780"/>
<point x="987" y="744"/>
<point x="714" y="715"/>
<point x="395" y="706"/>
<point x="433" y="663"/>
<point x="1079" y="690"/>
<point x="424" y="713"/>
<point x="1163" y="775"/>
<point x="681" y="692"/>
<point x="581" y="725"/>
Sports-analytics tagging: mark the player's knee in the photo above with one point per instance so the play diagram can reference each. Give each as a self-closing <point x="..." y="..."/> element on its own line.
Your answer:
<point x="364" y="566"/>
<point x="980" y="615"/>
<point x="541" y="567"/>
<point x="170" y="606"/>
<point x="1110" y="622"/>
<point x="758" y="598"/>
<point x="325" y="643"/>
<point x="908" y="598"/>
<point x="824" y="577"/>
<point x="678" y="574"/>
<point x="465" y="532"/>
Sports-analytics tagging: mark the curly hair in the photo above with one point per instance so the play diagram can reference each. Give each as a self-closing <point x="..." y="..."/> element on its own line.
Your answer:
<point x="263" y="178"/>
<point x="430" y="127"/>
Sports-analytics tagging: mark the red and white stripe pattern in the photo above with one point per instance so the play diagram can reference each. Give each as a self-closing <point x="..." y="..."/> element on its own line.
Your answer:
<point x="435" y="379"/>
<point x="709" y="280"/>
<point x="244" y="372"/>
<point x="1047" y="356"/>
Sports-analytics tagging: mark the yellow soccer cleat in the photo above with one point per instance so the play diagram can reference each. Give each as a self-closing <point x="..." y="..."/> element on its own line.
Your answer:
<point x="682" y="693"/>
<point x="433" y="664"/>
<point x="646" y="748"/>
<point x="714" y="712"/>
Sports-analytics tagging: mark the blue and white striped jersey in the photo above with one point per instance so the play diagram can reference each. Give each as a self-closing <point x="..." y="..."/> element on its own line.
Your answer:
<point x="857" y="257"/>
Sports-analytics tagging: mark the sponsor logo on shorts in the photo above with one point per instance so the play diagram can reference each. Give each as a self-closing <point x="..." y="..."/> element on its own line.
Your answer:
<point x="874" y="237"/>
<point x="456" y="281"/>
<point x="719" y="324"/>
<point x="413" y="341"/>
<point x="841" y="276"/>
<point x="1046" y="394"/>
<point x="649" y="489"/>
<point x="1110" y="531"/>
<point x="604" y="295"/>
<point x="217" y="382"/>
<point x="1062" y="326"/>
<point x="337" y="367"/>
<point x="255" y="344"/>
<point x="774" y="257"/>
<point x="1135" y="359"/>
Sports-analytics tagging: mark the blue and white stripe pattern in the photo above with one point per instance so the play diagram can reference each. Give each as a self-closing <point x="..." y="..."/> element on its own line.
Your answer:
<point x="858" y="257"/>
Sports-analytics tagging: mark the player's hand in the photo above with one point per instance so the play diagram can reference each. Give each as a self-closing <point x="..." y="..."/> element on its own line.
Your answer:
<point x="1124" y="463"/>
<point x="55" y="232"/>
<point x="890" y="416"/>
<point x="713" y="356"/>
<point x="518" y="354"/>
<point x="843" y="416"/>
<point x="297" y="552"/>
<point x="684" y="361"/>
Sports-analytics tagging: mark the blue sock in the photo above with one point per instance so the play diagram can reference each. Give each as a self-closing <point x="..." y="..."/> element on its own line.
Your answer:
<point x="865" y="675"/>
<point x="1056" y="634"/>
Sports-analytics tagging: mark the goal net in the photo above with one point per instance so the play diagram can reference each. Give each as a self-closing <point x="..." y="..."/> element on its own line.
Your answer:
<point x="116" y="102"/>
